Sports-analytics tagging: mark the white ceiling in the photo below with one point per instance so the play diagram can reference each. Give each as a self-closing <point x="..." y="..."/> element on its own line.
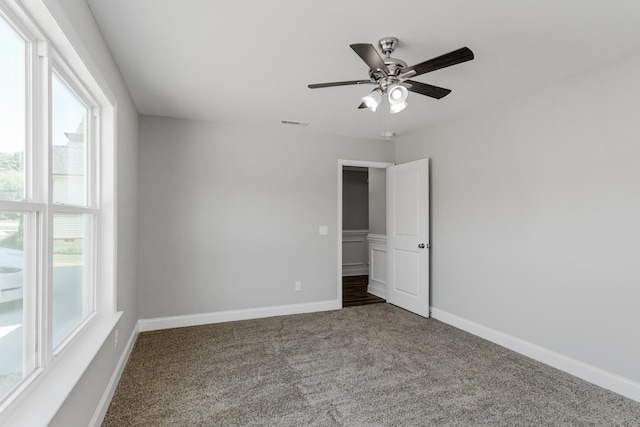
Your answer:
<point x="250" y="61"/>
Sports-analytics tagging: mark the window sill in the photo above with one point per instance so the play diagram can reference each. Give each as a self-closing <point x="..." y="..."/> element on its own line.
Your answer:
<point x="39" y="402"/>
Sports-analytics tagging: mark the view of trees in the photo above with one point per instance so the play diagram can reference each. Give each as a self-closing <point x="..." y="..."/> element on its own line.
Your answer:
<point x="11" y="172"/>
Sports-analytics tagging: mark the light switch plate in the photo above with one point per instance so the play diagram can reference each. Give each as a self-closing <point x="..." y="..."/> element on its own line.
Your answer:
<point x="323" y="230"/>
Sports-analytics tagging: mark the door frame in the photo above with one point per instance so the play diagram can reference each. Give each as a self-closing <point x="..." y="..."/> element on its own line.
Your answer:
<point x="341" y="164"/>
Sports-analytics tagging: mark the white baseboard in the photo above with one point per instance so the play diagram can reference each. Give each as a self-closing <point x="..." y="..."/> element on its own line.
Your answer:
<point x="105" y="401"/>
<point x="355" y="271"/>
<point x="377" y="289"/>
<point x="592" y="374"/>
<point x="233" y="315"/>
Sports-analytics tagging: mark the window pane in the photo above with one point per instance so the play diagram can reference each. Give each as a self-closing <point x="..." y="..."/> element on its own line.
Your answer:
<point x="72" y="298"/>
<point x="69" y="153"/>
<point x="12" y="113"/>
<point x="15" y="360"/>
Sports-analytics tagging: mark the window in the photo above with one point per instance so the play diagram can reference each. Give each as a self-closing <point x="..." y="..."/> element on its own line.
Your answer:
<point x="69" y="146"/>
<point x="57" y="220"/>
<point x="72" y="290"/>
<point x="72" y="225"/>
<point x="12" y="113"/>
<point x="17" y="353"/>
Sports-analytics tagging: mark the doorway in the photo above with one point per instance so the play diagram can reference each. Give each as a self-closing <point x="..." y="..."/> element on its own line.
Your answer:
<point x="356" y="276"/>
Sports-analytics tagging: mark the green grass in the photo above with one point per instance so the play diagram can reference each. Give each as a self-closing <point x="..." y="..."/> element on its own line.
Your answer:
<point x="67" y="248"/>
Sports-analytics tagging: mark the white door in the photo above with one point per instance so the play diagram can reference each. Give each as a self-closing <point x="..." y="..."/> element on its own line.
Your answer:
<point x="408" y="236"/>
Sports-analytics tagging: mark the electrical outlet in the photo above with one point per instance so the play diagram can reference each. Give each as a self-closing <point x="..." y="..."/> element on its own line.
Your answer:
<point x="116" y="340"/>
<point x="297" y="286"/>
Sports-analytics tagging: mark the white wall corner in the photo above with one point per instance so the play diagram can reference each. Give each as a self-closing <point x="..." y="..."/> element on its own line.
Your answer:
<point x="589" y="373"/>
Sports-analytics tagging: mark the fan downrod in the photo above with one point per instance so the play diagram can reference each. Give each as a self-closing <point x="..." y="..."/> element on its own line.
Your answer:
<point x="387" y="45"/>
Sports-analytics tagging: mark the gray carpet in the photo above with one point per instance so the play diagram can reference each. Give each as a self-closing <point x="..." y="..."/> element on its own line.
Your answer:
<point x="373" y="365"/>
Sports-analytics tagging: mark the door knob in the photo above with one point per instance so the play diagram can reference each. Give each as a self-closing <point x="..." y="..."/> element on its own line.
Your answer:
<point x="421" y="245"/>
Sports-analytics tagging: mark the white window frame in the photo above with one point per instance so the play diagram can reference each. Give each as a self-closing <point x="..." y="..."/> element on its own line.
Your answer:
<point x="38" y="397"/>
<point x="92" y="208"/>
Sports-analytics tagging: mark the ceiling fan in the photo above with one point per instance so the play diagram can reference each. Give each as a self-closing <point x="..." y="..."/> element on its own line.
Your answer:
<point x="392" y="76"/>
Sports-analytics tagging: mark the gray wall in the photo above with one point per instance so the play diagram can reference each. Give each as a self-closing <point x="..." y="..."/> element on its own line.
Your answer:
<point x="229" y="215"/>
<point x="377" y="201"/>
<point x="82" y="402"/>
<point x="355" y="199"/>
<point x="536" y="217"/>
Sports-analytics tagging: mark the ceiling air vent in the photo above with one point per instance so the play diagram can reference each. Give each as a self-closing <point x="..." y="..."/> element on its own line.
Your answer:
<point x="294" y="123"/>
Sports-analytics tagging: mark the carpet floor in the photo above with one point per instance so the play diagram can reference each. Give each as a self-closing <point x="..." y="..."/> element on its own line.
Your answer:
<point x="372" y="365"/>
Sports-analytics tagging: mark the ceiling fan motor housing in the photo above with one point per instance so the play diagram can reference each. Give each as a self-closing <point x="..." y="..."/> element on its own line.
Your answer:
<point x="387" y="45"/>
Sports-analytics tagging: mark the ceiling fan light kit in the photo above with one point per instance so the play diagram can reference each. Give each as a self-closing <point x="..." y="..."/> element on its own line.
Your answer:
<point x="392" y="75"/>
<point x="373" y="99"/>
<point x="396" y="108"/>
<point x="398" y="95"/>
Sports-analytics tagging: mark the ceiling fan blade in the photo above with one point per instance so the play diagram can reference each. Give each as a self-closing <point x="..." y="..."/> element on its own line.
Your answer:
<point x="426" y="89"/>
<point x="370" y="56"/>
<point x="345" y="83"/>
<point x="448" y="59"/>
